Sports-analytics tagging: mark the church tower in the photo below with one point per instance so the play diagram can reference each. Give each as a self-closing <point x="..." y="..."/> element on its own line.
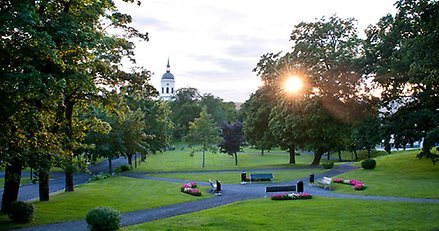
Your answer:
<point x="167" y="84"/>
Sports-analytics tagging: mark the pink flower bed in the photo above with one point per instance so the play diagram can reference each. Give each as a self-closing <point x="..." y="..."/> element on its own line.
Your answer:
<point x="293" y="196"/>
<point x="357" y="184"/>
<point x="191" y="188"/>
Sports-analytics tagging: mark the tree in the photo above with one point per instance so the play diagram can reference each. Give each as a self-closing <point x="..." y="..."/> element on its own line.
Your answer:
<point x="184" y="109"/>
<point x="133" y="136"/>
<point x="401" y="53"/>
<point x="232" y="139"/>
<point x="204" y="131"/>
<point x="220" y="111"/>
<point x="255" y="114"/>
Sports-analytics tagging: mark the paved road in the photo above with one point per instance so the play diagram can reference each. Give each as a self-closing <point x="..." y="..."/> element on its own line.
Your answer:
<point x="230" y="193"/>
<point x="57" y="181"/>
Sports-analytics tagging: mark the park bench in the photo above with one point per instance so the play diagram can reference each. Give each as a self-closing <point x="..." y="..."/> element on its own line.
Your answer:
<point x="215" y="187"/>
<point x="280" y="188"/>
<point x="261" y="177"/>
<point x="325" y="182"/>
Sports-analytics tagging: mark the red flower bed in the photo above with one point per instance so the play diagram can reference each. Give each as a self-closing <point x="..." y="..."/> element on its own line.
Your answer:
<point x="191" y="188"/>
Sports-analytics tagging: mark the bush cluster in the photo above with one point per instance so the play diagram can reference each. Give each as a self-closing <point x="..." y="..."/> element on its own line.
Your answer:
<point x="368" y="164"/>
<point x="20" y="211"/>
<point x="328" y="165"/>
<point x="103" y="219"/>
<point x="122" y="168"/>
<point x="100" y="176"/>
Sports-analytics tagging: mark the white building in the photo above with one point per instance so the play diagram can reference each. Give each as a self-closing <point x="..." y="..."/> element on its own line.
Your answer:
<point x="167" y="84"/>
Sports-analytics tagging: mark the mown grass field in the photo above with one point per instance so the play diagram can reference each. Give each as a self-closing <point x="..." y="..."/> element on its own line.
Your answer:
<point x="319" y="213"/>
<point x="400" y="174"/>
<point x="122" y="193"/>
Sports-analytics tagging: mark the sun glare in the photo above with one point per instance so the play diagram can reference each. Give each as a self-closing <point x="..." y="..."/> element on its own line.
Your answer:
<point x="293" y="84"/>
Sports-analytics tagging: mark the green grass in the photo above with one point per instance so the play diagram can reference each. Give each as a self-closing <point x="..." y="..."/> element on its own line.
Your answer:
<point x="122" y="193"/>
<point x="318" y="213"/>
<point x="235" y="177"/>
<point x="400" y="174"/>
<point x="251" y="159"/>
<point x="24" y="181"/>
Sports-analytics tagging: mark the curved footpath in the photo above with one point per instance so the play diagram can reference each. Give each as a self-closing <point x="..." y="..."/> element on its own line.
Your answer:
<point x="230" y="193"/>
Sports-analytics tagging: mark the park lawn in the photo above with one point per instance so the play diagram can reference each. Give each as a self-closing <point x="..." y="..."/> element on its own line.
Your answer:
<point x="24" y="181"/>
<point x="235" y="177"/>
<point x="180" y="160"/>
<point x="400" y="174"/>
<point x="319" y="213"/>
<point x="121" y="193"/>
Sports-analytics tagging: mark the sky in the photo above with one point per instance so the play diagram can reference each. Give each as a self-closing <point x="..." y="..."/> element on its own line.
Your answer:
<point x="214" y="45"/>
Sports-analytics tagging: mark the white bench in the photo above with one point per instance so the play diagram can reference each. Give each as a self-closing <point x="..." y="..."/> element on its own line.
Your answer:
<point x="326" y="182"/>
<point x="215" y="187"/>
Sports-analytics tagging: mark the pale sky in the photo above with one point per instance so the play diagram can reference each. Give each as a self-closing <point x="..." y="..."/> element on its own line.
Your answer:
<point x="214" y="45"/>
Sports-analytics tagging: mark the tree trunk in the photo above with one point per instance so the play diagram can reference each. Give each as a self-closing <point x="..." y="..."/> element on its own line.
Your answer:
<point x="130" y="161"/>
<point x="12" y="184"/>
<point x="110" y="166"/>
<point x="292" y="154"/>
<point x="236" y="159"/>
<point x="356" y="156"/>
<point x="329" y="155"/>
<point x="368" y="153"/>
<point x="339" y="156"/>
<point x="135" y="160"/>
<point x="70" y="186"/>
<point x="262" y="151"/>
<point x="317" y="156"/>
<point x="43" y="184"/>
<point x="143" y="157"/>
<point x="204" y="158"/>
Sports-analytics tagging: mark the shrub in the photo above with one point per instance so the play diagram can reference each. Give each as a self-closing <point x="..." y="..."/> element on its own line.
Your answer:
<point x="100" y="176"/>
<point x="20" y="211"/>
<point x="368" y="164"/>
<point x="328" y="165"/>
<point x="122" y="168"/>
<point x="103" y="218"/>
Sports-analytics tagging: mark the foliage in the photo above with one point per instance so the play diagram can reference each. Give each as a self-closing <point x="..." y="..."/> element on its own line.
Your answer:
<point x="293" y="196"/>
<point x="122" y="168"/>
<point x="103" y="218"/>
<point x="100" y="176"/>
<point x="22" y="212"/>
<point x="356" y="184"/>
<point x="368" y="164"/>
<point x="401" y="52"/>
<point x="190" y="188"/>
<point x="204" y="132"/>
<point x="328" y="165"/>
<point x="184" y="109"/>
<point x="232" y="139"/>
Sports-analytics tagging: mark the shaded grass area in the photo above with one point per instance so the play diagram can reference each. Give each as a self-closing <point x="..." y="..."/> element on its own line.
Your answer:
<point x="400" y="174"/>
<point x="180" y="160"/>
<point x="121" y="193"/>
<point x="319" y="213"/>
<point x="235" y="177"/>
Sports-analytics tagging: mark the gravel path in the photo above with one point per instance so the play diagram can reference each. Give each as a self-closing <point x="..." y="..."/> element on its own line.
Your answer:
<point x="230" y="193"/>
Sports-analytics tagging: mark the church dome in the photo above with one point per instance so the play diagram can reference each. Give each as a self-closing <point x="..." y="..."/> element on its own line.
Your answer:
<point x="168" y="75"/>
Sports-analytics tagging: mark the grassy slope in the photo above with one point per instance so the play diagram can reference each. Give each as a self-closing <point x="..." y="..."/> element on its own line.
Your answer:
<point x="122" y="193"/>
<point x="316" y="214"/>
<point x="235" y="178"/>
<point x="181" y="161"/>
<point x="400" y="174"/>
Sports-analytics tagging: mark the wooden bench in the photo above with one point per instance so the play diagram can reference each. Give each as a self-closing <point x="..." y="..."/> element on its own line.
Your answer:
<point x="281" y="188"/>
<point x="325" y="182"/>
<point x="261" y="177"/>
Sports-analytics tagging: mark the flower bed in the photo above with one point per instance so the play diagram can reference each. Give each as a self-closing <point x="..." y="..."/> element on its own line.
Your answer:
<point x="358" y="185"/>
<point x="292" y="196"/>
<point x="191" y="188"/>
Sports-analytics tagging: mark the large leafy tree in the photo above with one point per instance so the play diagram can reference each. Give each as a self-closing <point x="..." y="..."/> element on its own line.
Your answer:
<point x="54" y="55"/>
<point x="255" y="114"/>
<point x="204" y="133"/>
<point x="233" y="138"/>
<point x="184" y="109"/>
<point x="402" y="53"/>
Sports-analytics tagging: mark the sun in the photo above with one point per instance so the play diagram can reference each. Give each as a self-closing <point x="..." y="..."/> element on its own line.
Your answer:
<point x="293" y="84"/>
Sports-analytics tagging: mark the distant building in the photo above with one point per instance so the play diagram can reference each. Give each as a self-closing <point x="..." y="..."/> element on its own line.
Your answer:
<point x="167" y="84"/>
